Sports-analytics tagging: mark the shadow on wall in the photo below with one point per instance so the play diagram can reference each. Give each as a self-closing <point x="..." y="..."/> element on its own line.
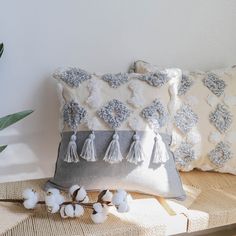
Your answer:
<point x="33" y="143"/>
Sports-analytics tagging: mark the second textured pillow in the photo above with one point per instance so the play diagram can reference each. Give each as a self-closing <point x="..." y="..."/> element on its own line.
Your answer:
<point x="203" y="125"/>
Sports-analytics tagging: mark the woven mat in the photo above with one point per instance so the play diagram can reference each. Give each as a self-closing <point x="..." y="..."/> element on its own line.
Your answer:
<point x="211" y="202"/>
<point x="215" y="203"/>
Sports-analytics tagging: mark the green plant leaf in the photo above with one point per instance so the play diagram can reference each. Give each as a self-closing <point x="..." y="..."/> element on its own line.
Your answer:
<point x="13" y="118"/>
<point x="2" y="148"/>
<point x="1" y="49"/>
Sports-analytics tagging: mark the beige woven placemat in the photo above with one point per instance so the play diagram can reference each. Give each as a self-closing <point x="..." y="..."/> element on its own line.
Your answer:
<point x="215" y="204"/>
<point x="211" y="202"/>
<point x="147" y="217"/>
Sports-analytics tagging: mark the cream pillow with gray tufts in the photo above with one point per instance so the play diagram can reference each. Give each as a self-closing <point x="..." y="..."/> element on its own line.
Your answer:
<point x="112" y="129"/>
<point x="203" y="119"/>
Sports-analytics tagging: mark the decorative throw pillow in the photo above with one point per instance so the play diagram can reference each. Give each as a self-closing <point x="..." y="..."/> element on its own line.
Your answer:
<point x="203" y="119"/>
<point x="111" y="136"/>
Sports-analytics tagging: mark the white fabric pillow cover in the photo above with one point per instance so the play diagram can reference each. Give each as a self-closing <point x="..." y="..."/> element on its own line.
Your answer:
<point x="112" y="129"/>
<point x="203" y="112"/>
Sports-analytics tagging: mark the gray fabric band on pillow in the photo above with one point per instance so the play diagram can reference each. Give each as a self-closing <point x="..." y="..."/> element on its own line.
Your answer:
<point x="100" y="174"/>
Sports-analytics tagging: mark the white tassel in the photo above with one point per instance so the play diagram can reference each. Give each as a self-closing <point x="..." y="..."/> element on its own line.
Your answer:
<point x="159" y="153"/>
<point x="71" y="155"/>
<point x="135" y="154"/>
<point x="88" y="151"/>
<point x="113" y="153"/>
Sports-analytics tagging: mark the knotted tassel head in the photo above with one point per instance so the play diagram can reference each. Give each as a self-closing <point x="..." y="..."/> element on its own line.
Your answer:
<point x="113" y="153"/>
<point x="159" y="152"/>
<point x="71" y="154"/>
<point x="135" y="154"/>
<point x="88" y="151"/>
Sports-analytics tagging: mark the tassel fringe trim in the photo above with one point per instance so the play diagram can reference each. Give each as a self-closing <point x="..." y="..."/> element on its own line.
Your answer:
<point x="159" y="153"/>
<point x="113" y="153"/>
<point x="88" y="151"/>
<point x="71" y="154"/>
<point x="135" y="154"/>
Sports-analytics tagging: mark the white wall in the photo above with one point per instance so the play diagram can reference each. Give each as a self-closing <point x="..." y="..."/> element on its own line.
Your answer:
<point x="98" y="36"/>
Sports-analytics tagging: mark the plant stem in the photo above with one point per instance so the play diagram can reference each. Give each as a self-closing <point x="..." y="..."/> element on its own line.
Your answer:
<point x="88" y="205"/>
<point x="19" y="201"/>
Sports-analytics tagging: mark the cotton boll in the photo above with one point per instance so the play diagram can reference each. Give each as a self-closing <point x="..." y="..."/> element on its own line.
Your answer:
<point x="29" y="193"/>
<point x="62" y="212"/>
<point x="69" y="210"/>
<point x="31" y="197"/>
<point x="120" y="200"/>
<point x="107" y="197"/>
<point x="53" y="191"/>
<point x="98" y="218"/>
<point x="59" y="199"/>
<point x="81" y="194"/>
<point x="54" y="196"/>
<point x="79" y="210"/>
<point x="50" y="200"/>
<point x="122" y="192"/>
<point x="98" y="207"/>
<point x="54" y="208"/>
<point x="30" y="203"/>
<point x="123" y="207"/>
<point x="119" y="197"/>
<point x="36" y="197"/>
<point x="85" y="200"/>
<point x="105" y="209"/>
<point x="73" y="188"/>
